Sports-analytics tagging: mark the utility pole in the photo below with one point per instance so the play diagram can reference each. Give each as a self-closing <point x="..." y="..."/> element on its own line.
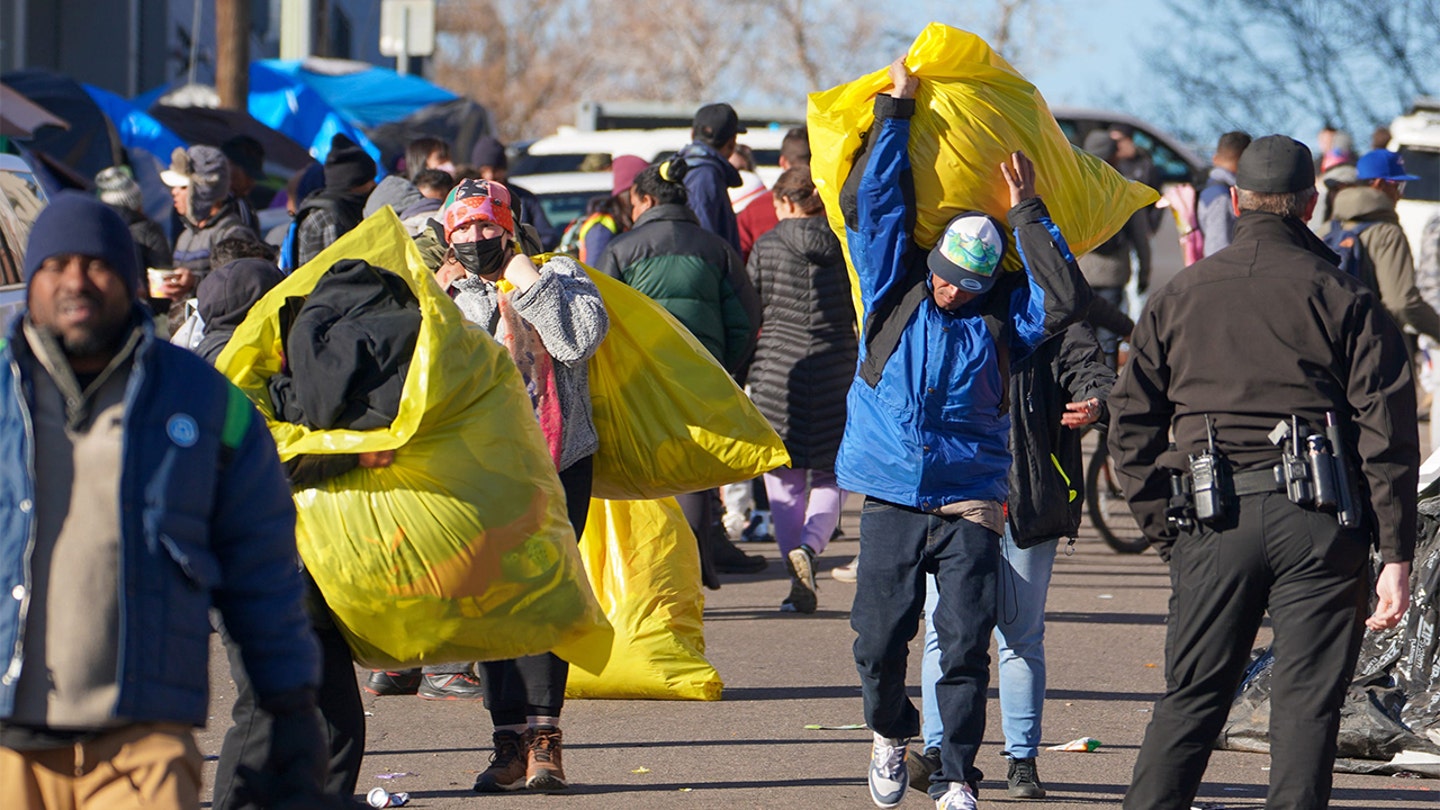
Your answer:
<point x="232" y="53"/>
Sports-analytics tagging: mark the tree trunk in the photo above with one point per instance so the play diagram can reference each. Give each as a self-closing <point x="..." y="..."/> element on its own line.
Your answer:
<point x="232" y="53"/>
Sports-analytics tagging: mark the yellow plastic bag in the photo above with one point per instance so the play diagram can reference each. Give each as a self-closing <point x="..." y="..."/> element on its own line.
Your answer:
<point x="669" y="417"/>
<point x="645" y="567"/>
<point x="972" y="110"/>
<point x="461" y="549"/>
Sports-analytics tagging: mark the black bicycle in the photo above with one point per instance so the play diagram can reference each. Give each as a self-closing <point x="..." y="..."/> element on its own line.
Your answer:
<point x="1109" y="512"/>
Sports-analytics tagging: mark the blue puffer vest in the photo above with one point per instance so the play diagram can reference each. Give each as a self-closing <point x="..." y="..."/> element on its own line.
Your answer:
<point x="206" y="518"/>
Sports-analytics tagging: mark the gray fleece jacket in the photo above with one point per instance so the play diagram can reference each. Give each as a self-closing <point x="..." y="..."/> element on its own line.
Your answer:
<point x="566" y="310"/>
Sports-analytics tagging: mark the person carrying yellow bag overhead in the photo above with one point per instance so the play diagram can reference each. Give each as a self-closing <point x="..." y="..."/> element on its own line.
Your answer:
<point x="552" y="320"/>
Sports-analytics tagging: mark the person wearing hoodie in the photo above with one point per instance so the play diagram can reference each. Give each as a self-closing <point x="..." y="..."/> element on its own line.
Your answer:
<point x="199" y="181"/>
<point x="710" y="175"/>
<point x="226" y="251"/>
<point x="1387" y="266"/>
<point x="804" y="360"/>
<point x="334" y="210"/>
<point x="412" y="206"/>
<point x="225" y="298"/>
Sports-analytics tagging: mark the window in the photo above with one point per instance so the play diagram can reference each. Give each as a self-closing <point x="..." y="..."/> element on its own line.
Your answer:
<point x="1426" y="164"/>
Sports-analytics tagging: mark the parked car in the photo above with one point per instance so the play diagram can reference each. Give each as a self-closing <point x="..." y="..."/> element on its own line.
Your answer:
<point x="1176" y="161"/>
<point x="1416" y="136"/>
<point x="564" y="195"/>
<point x="21" y="199"/>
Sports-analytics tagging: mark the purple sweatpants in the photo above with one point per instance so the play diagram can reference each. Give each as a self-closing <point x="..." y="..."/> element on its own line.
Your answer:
<point x="801" y="513"/>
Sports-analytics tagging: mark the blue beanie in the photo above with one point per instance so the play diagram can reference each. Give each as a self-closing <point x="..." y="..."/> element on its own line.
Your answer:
<point x="78" y="223"/>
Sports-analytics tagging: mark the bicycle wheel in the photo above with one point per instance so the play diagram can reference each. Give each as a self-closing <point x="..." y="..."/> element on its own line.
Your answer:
<point x="1109" y="513"/>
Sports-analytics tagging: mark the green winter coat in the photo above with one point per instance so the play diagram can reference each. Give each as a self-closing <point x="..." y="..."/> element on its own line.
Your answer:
<point x="697" y="276"/>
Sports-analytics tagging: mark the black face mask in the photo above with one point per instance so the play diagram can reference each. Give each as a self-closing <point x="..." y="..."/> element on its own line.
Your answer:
<point x="481" y="258"/>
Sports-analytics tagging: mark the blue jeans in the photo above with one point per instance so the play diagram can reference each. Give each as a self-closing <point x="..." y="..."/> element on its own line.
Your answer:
<point x="898" y="547"/>
<point x="1020" y="635"/>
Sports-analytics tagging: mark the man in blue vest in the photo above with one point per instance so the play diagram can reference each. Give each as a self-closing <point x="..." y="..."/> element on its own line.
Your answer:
<point x="926" y="437"/>
<point x="140" y="490"/>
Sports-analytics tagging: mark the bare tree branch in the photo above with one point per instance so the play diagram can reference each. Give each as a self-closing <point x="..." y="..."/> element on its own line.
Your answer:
<point x="1277" y="65"/>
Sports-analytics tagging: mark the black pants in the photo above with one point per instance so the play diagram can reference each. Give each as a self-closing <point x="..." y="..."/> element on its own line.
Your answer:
<point x="1312" y="577"/>
<point x="535" y="685"/>
<point x="246" y="746"/>
<point x="703" y="511"/>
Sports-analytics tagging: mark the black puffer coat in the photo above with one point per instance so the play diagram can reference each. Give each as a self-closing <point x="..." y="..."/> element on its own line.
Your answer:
<point x="806" y="354"/>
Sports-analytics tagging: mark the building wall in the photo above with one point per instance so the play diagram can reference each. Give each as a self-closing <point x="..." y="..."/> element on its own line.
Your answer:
<point x="131" y="46"/>
<point x="118" y="45"/>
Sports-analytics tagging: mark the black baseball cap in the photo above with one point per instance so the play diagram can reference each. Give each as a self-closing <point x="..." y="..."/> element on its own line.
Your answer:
<point x="717" y="123"/>
<point x="1275" y="164"/>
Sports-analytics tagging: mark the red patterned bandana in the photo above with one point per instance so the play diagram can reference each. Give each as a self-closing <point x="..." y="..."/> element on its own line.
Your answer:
<point x="478" y="201"/>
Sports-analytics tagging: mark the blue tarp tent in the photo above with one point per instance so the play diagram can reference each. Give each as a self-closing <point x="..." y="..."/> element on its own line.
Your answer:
<point x="284" y="102"/>
<point x="312" y="100"/>
<point x="136" y="127"/>
<point x="365" y="95"/>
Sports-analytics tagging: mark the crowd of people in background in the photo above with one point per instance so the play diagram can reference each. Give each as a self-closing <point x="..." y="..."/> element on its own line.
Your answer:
<point x="758" y="276"/>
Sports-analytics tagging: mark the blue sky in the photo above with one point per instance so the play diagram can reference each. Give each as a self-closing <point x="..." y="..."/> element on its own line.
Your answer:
<point x="1088" y="53"/>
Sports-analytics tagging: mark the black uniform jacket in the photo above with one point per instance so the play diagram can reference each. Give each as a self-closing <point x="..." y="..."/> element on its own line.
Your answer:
<point x="1261" y="330"/>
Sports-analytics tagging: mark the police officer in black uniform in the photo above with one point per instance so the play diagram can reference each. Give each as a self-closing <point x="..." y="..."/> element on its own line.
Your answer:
<point x="1249" y="347"/>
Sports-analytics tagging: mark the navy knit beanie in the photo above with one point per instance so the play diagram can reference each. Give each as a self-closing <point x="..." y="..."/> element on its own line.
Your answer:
<point x="78" y="223"/>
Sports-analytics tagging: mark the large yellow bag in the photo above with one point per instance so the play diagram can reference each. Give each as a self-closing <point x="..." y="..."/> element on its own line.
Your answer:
<point x="644" y="565"/>
<point x="461" y="549"/>
<point x="972" y="110"/>
<point x="669" y="417"/>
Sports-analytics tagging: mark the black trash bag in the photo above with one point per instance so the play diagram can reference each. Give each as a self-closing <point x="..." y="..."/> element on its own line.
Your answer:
<point x="1393" y="703"/>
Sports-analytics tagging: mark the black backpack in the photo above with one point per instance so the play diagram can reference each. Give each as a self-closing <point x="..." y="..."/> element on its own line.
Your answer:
<point x="1346" y="243"/>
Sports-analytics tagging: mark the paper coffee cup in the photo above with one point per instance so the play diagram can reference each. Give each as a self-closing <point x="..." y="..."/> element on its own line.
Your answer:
<point x="157" y="281"/>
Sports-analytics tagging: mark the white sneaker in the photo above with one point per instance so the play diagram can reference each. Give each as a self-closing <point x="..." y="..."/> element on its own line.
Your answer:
<point x="889" y="778"/>
<point x="958" y="797"/>
<point x="846" y="572"/>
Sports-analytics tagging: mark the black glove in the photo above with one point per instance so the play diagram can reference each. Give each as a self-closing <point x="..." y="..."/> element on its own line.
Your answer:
<point x="298" y="757"/>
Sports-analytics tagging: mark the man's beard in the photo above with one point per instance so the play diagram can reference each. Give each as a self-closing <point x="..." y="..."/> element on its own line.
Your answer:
<point x="97" y="341"/>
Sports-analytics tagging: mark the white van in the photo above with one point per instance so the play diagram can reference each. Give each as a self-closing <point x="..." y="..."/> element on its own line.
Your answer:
<point x="1416" y="136"/>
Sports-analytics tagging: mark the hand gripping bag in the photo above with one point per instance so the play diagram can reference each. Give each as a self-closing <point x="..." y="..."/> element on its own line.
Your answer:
<point x="461" y="549"/>
<point x="669" y="417"/>
<point x="644" y="566"/>
<point x="972" y="109"/>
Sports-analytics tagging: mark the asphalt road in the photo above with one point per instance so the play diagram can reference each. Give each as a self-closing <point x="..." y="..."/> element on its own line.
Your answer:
<point x="783" y="672"/>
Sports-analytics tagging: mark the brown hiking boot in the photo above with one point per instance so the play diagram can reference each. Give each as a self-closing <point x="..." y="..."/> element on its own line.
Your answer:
<point x="545" y="773"/>
<point x="507" y="765"/>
